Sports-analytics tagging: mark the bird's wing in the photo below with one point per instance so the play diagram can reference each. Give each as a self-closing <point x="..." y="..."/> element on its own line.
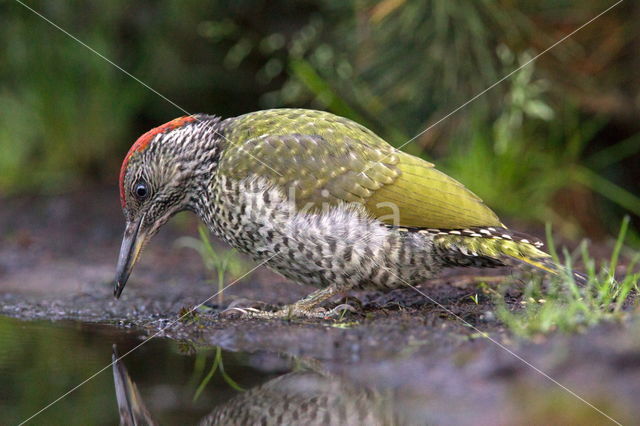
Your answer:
<point x="328" y="159"/>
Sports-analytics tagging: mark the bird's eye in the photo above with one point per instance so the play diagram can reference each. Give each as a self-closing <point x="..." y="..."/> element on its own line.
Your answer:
<point x="141" y="190"/>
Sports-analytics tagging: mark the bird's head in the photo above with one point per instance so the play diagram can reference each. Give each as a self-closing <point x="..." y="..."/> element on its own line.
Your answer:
<point x="157" y="181"/>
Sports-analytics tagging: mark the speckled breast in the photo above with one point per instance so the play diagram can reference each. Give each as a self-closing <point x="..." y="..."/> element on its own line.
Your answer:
<point x="341" y="247"/>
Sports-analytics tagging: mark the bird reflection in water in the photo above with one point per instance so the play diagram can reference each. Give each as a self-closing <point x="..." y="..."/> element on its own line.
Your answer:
<point x="301" y="397"/>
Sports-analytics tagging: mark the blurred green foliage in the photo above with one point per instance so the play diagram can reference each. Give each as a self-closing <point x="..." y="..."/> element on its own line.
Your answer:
<point x="558" y="140"/>
<point x="62" y="108"/>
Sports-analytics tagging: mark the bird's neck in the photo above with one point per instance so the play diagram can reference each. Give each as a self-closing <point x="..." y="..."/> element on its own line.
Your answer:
<point x="202" y="159"/>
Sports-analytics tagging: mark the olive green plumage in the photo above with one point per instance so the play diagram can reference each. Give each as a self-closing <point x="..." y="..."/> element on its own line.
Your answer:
<point x="330" y="159"/>
<point x="325" y="160"/>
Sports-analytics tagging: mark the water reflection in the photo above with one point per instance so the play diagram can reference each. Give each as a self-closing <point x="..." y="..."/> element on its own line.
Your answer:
<point x="131" y="407"/>
<point x="41" y="360"/>
<point x="165" y="382"/>
<point x="300" y="397"/>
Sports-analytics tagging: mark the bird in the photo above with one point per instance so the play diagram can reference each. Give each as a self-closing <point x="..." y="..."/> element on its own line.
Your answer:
<point x="316" y="197"/>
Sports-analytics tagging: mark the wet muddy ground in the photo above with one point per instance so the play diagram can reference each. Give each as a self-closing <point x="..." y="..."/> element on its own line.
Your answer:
<point x="57" y="261"/>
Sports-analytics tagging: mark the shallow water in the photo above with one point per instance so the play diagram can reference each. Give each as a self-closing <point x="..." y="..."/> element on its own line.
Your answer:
<point x="40" y="361"/>
<point x="166" y="382"/>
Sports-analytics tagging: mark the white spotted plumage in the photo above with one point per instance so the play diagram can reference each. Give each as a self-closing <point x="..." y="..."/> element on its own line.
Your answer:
<point x="340" y="246"/>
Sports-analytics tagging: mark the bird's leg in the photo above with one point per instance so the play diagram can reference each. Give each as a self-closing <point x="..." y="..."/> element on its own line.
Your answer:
<point x="316" y="297"/>
<point x="303" y="308"/>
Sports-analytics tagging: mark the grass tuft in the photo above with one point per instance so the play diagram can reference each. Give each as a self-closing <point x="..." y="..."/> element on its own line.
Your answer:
<point x="559" y="304"/>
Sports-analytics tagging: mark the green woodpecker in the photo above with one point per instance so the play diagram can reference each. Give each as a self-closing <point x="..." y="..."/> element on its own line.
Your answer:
<point x="316" y="197"/>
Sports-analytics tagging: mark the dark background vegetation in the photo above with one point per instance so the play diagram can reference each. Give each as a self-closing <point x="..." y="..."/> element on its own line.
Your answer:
<point x="557" y="142"/>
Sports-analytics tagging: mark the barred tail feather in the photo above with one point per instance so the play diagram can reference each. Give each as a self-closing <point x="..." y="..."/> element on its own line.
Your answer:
<point x="545" y="264"/>
<point x="457" y="246"/>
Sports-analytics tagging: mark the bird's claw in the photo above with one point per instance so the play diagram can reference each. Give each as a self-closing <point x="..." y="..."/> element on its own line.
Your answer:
<point x="237" y="312"/>
<point x="340" y="310"/>
<point x="242" y="308"/>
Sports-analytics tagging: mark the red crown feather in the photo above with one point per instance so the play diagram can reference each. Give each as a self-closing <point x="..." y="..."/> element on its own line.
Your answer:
<point x="143" y="142"/>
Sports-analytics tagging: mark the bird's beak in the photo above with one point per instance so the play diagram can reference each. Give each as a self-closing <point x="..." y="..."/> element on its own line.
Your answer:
<point x="132" y="243"/>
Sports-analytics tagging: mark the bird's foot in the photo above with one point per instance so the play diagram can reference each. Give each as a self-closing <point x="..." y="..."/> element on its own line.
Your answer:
<point x="293" y="311"/>
<point x="305" y="308"/>
<point x="286" y="312"/>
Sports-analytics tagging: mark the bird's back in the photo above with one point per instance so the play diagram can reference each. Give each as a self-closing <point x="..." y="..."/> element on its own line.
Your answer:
<point x="324" y="159"/>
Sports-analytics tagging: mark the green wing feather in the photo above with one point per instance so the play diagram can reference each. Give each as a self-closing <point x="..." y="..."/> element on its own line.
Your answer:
<point x="330" y="159"/>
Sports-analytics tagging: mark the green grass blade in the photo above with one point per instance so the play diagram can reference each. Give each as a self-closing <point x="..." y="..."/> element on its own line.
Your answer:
<point x="619" y="241"/>
<point x="207" y="378"/>
<point x="550" y="242"/>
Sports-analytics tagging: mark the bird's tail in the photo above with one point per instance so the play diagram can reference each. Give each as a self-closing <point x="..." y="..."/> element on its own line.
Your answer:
<point x="494" y="244"/>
